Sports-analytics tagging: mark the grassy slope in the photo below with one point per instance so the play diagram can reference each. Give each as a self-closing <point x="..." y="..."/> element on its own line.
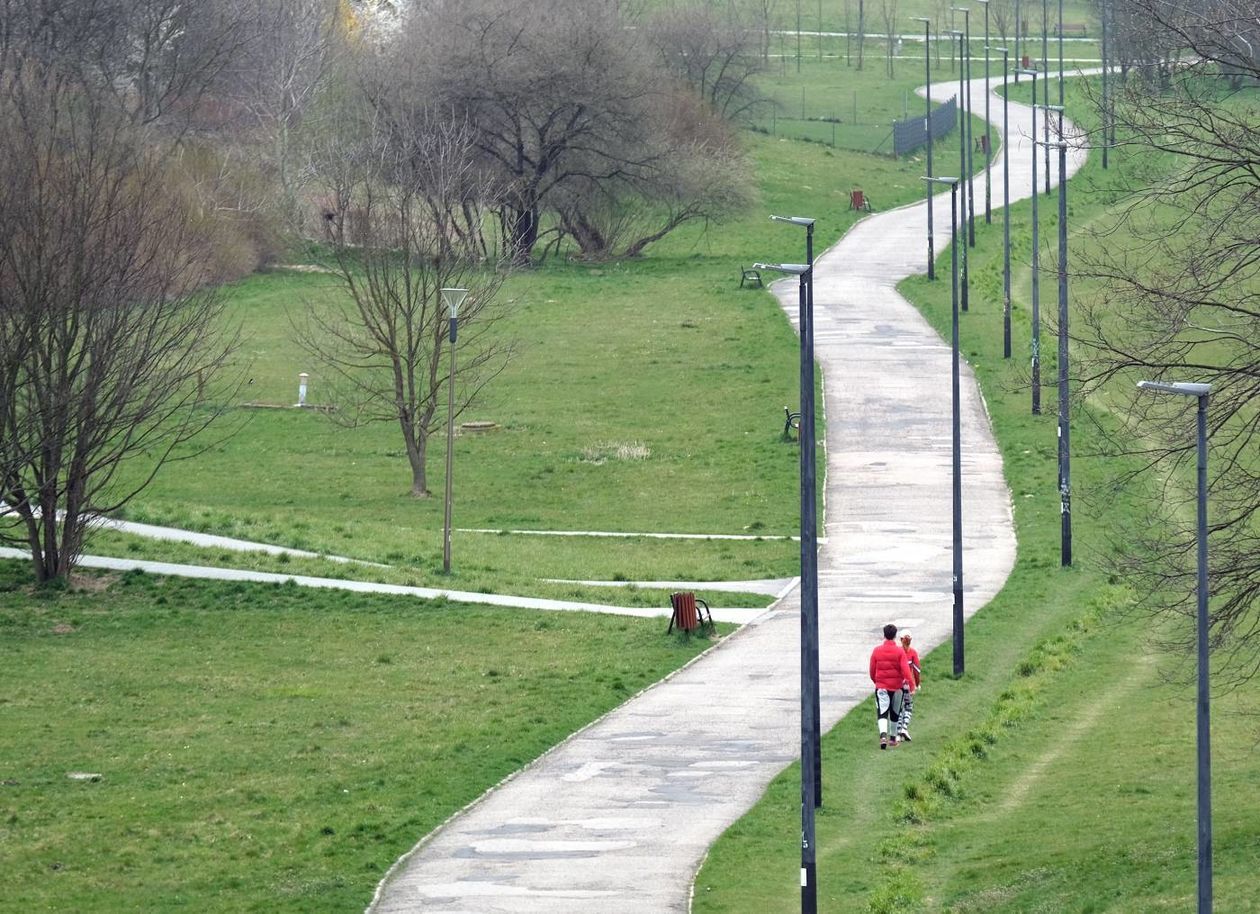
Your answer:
<point x="1058" y="774"/>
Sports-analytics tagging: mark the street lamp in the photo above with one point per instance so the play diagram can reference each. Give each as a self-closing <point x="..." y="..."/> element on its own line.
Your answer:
<point x="1018" y="26"/>
<point x="969" y="207"/>
<point x="988" y="126"/>
<point x="927" y="126"/>
<point x="964" y="117"/>
<point x="1006" y="208"/>
<point x="452" y="298"/>
<point x="809" y="592"/>
<point x="1204" y="745"/>
<point x="1036" y="261"/>
<point x="955" y="392"/>
<point x="806" y="319"/>
<point x="1045" y="83"/>
<point x="1065" y="430"/>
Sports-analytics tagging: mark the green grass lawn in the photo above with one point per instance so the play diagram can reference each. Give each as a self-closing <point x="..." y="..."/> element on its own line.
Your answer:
<point x="270" y="748"/>
<point x="1058" y="775"/>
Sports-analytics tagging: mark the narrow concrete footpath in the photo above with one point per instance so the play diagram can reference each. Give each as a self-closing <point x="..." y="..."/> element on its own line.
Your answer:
<point x="618" y="818"/>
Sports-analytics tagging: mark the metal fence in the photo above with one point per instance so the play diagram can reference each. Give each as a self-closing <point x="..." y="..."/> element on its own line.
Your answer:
<point x="910" y="134"/>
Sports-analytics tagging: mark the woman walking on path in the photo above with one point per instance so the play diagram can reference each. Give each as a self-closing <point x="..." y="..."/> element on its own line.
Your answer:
<point x="909" y="687"/>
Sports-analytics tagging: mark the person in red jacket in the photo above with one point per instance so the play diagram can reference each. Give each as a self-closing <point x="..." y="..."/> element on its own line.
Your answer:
<point x="890" y="668"/>
<point x="907" y="699"/>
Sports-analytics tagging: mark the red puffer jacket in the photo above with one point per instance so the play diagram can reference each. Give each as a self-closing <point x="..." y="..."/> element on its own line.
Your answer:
<point x="890" y="667"/>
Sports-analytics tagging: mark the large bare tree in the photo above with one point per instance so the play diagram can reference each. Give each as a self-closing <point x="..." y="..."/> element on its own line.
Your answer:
<point x="109" y="350"/>
<point x="714" y="52"/>
<point x="560" y="94"/>
<point x="406" y="201"/>
<point x="1179" y="299"/>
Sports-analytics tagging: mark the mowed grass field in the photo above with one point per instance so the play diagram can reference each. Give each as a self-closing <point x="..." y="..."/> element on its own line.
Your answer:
<point x="1058" y="775"/>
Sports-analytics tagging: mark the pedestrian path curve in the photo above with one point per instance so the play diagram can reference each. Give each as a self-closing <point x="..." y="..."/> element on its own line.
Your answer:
<point x="618" y="817"/>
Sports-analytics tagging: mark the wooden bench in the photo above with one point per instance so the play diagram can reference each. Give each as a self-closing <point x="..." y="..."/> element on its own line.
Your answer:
<point x="859" y="201"/>
<point x="752" y="277"/>
<point x="1072" y="28"/>
<point x="689" y="613"/>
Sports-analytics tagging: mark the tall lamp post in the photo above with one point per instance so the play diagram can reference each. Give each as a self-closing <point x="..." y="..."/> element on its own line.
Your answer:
<point x="1018" y="27"/>
<point x="1006" y="209"/>
<point x="1065" y="427"/>
<point x="1045" y="82"/>
<point x="955" y="394"/>
<point x="452" y="298"/>
<point x="969" y="198"/>
<point x="988" y="125"/>
<point x="927" y="126"/>
<point x="807" y="341"/>
<point x="963" y="117"/>
<point x="1203" y="736"/>
<point x="1036" y="261"/>
<point x="809" y="596"/>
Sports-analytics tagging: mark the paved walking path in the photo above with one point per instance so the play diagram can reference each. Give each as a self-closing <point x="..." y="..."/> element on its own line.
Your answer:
<point x="618" y="818"/>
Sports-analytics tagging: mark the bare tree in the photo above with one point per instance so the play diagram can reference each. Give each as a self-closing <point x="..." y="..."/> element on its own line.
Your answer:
<point x="1179" y="299"/>
<point x="1003" y="13"/>
<point x="277" y="76"/>
<point x="110" y="352"/>
<point x="700" y="175"/>
<point x="888" y="11"/>
<point x="158" y="58"/>
<point x="557" y="92"/>
<point x="861" y="32"/>
<point x="407" y="201"/>
<point x="712" y="54"/>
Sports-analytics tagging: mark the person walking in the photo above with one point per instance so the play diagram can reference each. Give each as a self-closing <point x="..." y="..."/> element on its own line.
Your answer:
<point x="890" y="669"/>
<point x="909" y="687"/>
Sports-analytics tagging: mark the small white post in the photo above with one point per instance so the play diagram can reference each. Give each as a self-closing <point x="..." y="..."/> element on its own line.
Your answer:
<point x="302" y="379"/>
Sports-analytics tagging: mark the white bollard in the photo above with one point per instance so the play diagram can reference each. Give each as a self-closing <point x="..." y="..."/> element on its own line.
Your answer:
<point x="302" y="379"/>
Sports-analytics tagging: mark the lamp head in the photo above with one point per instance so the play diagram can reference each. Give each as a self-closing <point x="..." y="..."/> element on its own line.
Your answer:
<point x="1025" y="71"/>
<point x="941" y="180"/>
<point x="453" y="298"/>
<point x="804" y="221"/>
<point x="1182" y="388"/>
<point x="991" y="48"/>
<point x="920" y="19"/>
<point x="793" y="269"/>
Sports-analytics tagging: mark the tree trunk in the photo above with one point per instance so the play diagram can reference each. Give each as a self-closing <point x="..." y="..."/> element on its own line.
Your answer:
<point x="417" y="449"/>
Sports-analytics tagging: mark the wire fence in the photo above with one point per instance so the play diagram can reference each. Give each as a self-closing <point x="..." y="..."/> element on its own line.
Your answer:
<point x="845" y="119"/>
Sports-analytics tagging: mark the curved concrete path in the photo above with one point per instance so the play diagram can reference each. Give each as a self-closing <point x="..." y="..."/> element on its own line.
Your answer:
<point x="618" y="818"/>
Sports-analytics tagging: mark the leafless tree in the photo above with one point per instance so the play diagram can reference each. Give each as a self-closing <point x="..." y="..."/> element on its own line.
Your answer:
<point x="110" y="352"/>
<point x="888" y="12"/>
<point x="277" y="76"/>
<point x="712" y="53"/>
<point x="861" y="32"/>
<point x="557" y="92"/>
<point x="1003" y="13"/>
<point x="1179" y="299"/>
<point x="699" y="175"/>
<point x="159" y="58"/>
<point x="406" y="202"/>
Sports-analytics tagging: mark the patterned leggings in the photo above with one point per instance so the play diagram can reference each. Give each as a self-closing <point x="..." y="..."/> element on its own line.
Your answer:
<point x="907" y="708"/>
